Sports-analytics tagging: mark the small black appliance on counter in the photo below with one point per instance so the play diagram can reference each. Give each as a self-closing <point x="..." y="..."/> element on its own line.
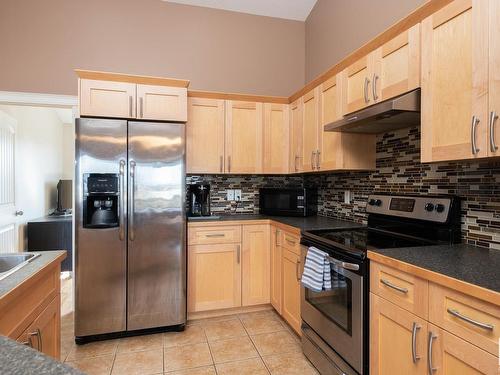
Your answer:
<point x="288" y="201"/>
<point x="198" y="200"/>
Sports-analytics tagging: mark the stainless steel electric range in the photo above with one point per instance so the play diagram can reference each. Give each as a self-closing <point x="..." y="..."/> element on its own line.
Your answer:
<point x="335" y="322"/>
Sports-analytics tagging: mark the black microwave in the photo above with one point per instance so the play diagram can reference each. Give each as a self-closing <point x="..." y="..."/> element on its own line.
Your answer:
<point x="288" y="201"/>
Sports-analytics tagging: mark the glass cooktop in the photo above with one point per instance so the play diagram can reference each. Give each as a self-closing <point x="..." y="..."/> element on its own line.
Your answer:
<point x="363" y="239"/>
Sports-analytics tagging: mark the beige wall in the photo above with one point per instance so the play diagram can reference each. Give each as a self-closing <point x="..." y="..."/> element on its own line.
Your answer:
<point x="42" y="41"/>
<point x="335" y="28"/>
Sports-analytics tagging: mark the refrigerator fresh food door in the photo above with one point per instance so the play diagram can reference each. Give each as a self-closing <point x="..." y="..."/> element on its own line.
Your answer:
<point x="157" y="225"/>
<point x="100" y="253"/>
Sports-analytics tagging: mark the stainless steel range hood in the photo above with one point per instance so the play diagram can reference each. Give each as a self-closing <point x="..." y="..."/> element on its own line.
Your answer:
<point x="400" y="112"/>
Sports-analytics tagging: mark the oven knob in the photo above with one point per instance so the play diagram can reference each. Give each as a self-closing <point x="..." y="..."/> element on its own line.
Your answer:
<point x="429" y="207"/>
<point x="378" y="202"/>
<point x="371" y="202"/>
<point x="440" y="207"/>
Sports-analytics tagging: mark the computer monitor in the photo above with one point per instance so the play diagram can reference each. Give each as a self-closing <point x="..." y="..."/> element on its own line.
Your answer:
<point x="64" y="196"/>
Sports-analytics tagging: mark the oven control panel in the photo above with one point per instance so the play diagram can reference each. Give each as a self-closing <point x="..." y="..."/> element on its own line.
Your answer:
<point x="434" y="209"/>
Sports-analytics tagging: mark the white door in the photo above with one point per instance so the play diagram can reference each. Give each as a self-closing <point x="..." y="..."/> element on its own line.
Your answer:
<point x="8" y="219"/>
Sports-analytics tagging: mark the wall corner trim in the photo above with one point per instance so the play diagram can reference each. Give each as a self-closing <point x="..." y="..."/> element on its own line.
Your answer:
<point x="38" y="99"/>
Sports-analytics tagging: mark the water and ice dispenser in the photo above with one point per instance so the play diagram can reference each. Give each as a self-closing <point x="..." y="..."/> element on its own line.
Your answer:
<point x="101" y="192"/>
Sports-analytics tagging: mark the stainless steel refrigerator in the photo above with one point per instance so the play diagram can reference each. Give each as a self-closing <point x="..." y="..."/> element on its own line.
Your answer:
<point x="130" y="227"/>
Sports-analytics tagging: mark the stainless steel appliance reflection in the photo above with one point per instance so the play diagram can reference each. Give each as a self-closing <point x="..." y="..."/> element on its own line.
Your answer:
<point x="130" y="275"/>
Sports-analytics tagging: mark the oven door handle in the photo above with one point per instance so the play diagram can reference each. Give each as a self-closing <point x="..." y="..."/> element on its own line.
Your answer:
<point x="345" y="265"/>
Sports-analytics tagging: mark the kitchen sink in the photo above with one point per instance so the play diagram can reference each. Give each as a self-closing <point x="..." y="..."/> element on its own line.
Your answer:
<point x="10" y="263"/>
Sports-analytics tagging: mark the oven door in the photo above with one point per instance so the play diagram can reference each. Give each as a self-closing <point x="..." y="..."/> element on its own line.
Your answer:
<point x="336" y="315"/>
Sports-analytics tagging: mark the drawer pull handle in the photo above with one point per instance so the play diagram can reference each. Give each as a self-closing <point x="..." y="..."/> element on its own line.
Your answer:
<point x="414" y="355"/>
<point x="395" y="287"/>
<point x="457" y="314"/>
<point x="297" y="270"/>
<point x="216" y="235"/>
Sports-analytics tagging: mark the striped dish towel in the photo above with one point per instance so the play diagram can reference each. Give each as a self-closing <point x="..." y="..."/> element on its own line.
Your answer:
<point x="316" y="275"/>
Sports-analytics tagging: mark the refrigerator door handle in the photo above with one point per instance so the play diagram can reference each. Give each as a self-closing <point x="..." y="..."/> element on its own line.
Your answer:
<point x="132" y="201"/>
<point x="122" y="200"/>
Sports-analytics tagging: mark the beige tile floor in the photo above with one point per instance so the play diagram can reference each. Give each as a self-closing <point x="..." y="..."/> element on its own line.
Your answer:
<point x="244" y="344"/>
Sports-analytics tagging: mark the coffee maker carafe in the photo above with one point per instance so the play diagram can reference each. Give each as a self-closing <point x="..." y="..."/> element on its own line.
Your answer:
<point x="199" y="200"/>
<point x="100" y="200"/>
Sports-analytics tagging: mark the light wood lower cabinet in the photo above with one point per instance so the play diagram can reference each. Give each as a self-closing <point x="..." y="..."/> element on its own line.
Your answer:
<point x="450" y="355"/>
<point x="397" y="340"/>
<point x="276" y="271"/>
<point x="44" y="333"/>
<point x="460" y="336"/>
<point x="291" y="289"/>
<point x="214" y="277"/>
<point x="256" y="265"/>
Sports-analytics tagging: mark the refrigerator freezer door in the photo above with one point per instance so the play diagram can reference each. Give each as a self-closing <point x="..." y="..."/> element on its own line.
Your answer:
<point x="100" y="254"/>
<point x="157" y="226"/>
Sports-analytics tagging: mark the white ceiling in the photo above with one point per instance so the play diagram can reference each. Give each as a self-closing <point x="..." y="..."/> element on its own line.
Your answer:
<point x="289" y="9"/>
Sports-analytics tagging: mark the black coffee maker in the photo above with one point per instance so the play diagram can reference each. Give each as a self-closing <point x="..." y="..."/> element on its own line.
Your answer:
<point x="199" y="200"/>
<point x="100" y="200"/>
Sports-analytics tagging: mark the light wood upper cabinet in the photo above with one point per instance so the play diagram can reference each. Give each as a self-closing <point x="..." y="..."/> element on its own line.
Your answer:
<point x="162" y="103"/>
<point x="256" y="265"/>
<point x="276" y="272"/>
<point x="243" y="137"/>
<point x="205" y="136"/>
<point x="450" y="355"/>
<point x="340" y="151"/>
<point x="455" y="82"/>
<point x="291" y="289"/>
<point x="276" y="138"/>
<point x="310" y="130"/>
<point x="296" y="121"/>
<point x="494" y="79"/>
<point x="107" y="98"/>
<point x="397" y="66"/>
<point x="356" y="81"/>
<point x="397" y="340"/>
<point x="214" y="273"/>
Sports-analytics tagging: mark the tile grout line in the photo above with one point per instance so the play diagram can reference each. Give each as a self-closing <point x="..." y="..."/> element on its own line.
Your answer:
<point x="255" y="346"/>
<point x="210" y="350"/>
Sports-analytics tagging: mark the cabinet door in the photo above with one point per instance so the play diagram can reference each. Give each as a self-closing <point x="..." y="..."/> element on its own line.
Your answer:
<point x="397" y="66"/>
<point x="205" y="136"/>
<point x="310" y="130"/>
<point x="44" y="333"/>
<point x="291" y="289"/>
<point x="296" y="121"/>
<point x="397" y="340"/>
<point x="214" y="277"/>
<point x="256" y="265"/>
<point x="356" y="85"/>
<point x="455" y="82"/>
<point x="107" y="98"/>
<point x="162" y="103"/>
<point x="330" y="110"/>
<point x="494" y="81"/>
<point x="276" y="265"/>
<point x="243" y="137"/>
<point x="276" y="138"/>
<point x="450" y="355"/>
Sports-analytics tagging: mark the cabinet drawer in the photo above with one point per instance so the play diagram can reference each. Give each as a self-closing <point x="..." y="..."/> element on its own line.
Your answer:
<point x="402" y="289"/>
<point x="472" y="319"/>
<point x="214" y="235"/>
<point x="291" y="242"/>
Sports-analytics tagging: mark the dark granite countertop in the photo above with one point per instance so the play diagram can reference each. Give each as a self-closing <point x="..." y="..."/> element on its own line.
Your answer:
<point x="13" y="280"/>
<point x="472" y="264"/>
<point x="303" y="223"/>
<point x="18" y="359"/>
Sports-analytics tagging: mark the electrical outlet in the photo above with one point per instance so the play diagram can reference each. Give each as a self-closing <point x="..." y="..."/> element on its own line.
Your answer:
<point x="237" y="195"/>
<point x="230" y="195"/>
<point x="347" y="196"/>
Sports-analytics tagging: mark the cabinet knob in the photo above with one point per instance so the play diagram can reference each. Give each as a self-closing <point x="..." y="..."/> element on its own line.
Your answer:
<point x="19" y="213"/>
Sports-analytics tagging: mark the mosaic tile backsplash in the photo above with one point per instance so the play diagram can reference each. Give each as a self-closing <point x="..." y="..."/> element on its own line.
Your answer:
<point x="398" y="171"/>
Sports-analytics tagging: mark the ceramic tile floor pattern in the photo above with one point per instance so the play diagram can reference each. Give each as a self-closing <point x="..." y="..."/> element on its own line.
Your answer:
<point x="253" y="343"/>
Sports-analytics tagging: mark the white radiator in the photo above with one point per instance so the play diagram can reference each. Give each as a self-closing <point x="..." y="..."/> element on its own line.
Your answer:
<point x="8" y="239"/>
<point x="7" y="144"/>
